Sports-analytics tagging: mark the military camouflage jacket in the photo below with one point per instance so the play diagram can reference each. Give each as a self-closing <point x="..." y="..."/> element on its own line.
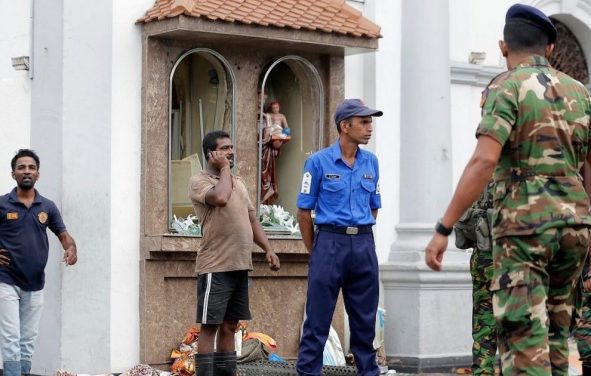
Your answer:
<point x="541" y="117"/>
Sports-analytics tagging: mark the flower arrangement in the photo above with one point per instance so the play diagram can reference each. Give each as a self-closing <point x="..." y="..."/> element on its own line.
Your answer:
<point x="274" y="217"/>
<point x="186" y="226"/>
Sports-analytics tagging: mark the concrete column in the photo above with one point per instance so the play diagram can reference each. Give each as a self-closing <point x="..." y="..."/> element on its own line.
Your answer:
<point x="428" y="313"/>
<point x="46" y="139"/>
<point x="86" y="191"/>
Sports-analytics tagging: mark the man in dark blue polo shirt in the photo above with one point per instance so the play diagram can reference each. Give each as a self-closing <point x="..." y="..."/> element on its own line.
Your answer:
<point x="24" y="217"/>
<point x="340" y="184"/>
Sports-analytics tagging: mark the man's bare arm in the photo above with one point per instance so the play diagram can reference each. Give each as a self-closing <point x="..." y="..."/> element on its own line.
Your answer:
<point x="69" y="246"/>
<point x="260" y="239"/>
<point x="306" y="227"/>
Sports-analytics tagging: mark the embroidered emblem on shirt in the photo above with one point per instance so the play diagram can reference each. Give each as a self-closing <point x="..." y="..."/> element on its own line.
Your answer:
<point x="332" y="176"/>
<point x="42" y="217"/>
<point x="11" y="215"/>
<point x="368" y="176"/>
<point x="306" y="183"/>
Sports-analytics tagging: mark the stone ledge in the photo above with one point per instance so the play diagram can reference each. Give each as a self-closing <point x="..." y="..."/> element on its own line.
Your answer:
<point x="414" y="365"/>
<point x="155" y="246"/>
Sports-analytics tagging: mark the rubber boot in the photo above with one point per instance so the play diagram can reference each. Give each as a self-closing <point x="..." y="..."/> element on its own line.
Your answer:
<point x="224" y="364"/>
<point x="204" y="364"/>
<point x="586" y="368"/>
<point x="25" y="367"/>
<point x="12" y="368"/>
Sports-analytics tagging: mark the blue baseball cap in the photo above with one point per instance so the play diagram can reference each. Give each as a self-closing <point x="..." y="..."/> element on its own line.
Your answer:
<point x="353" y="107"/>
<point x="532" y="16"/>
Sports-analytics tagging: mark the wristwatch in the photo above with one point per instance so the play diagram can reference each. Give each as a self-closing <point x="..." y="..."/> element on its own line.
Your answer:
<point x="441" y="229"/>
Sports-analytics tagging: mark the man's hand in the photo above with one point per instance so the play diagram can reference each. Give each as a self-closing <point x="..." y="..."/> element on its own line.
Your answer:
<point x="434" y="251"/>
<point x="70" y="256"/>
<point x="69" y="245"/>
<point x="218" y="159"/>
<point x="273" y="261"/>
<point x="587" y="285"/>
<point x="4" y="259"/>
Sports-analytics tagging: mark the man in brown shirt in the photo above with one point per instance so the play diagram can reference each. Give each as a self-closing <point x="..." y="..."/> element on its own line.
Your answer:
<point x="229" y="225"/>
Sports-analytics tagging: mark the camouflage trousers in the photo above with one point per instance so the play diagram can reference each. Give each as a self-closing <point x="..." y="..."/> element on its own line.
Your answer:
<point x="484" y="328"/>
<point x="582" y="332"/>
<point x="533" y="296"/>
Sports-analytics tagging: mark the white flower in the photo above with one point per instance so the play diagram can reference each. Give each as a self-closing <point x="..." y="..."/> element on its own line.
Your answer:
<point x="276" y="216"/>
<point x="186" y="226"/>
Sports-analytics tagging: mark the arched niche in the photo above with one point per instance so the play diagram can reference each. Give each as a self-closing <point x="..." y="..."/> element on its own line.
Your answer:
<point x="201" y="99"/>
<point x="296" y="84"/>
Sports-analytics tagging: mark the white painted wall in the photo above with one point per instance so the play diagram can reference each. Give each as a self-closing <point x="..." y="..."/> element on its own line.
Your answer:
<point x="372" y="76"/>
<point x="125" y="182"/>
<point x="465" y="116"/>
<point x="477" y="25"/>
<point x="90" y="131"/>
<point x="15" y="86"/>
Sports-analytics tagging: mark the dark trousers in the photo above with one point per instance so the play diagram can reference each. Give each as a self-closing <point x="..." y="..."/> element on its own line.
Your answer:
<point x="346" y="262"/>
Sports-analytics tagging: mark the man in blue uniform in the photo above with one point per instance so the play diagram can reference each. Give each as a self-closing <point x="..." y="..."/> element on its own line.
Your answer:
<point x="340" y="184"/>
<point x="25" y="216"/>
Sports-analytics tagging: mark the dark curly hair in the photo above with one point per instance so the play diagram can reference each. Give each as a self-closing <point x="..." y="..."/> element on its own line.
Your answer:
<point x="24" y="153"/>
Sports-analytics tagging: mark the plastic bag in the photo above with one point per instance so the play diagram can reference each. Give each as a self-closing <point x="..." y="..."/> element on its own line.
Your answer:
<point x="333" y="354"/>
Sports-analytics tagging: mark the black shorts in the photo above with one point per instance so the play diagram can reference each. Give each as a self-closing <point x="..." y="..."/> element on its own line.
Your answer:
<point x="222" y="297"/>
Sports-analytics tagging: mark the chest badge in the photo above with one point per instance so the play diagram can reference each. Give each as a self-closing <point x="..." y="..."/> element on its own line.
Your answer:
<point x="11" y="215"/>
<point x="332" y="176"/>
<point x="42" y="217"/>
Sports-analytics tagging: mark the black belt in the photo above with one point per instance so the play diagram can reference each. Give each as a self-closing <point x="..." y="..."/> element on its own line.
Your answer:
<point x="350" y="230"/>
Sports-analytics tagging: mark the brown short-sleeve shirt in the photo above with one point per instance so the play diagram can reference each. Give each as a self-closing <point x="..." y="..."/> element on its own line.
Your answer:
<point x="227" y="233"/>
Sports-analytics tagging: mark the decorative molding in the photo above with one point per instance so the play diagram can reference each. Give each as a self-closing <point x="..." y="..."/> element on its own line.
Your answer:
<point x="417" y="276"/>
<point x="473" y="75"/>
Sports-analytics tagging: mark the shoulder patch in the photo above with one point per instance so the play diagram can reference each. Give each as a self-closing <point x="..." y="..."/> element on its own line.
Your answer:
<point x="306" y="183"/>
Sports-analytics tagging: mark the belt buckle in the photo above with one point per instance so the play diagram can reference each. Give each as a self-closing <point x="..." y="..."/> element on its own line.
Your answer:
<point x="352" y="231"/>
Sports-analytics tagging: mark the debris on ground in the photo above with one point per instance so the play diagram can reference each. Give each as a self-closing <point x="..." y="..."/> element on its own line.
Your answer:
<point x="142" y="370"/>
<point x="250" y="347"/>
<point x="184" y="355"/>
<point x="139" y="370"/>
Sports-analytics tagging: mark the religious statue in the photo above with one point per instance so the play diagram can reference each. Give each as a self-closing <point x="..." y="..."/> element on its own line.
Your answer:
<point x="275" y="134"/>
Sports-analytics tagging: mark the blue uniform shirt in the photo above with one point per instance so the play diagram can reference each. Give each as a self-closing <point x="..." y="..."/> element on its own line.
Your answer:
<point x="23" y="234"/>
<point x="339" y="194"/>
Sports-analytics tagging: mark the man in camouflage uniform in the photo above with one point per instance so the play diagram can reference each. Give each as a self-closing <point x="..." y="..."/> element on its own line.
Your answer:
<point x="473" y="231"/>
<point x="582" y="332"/>
<point x="534" y="134"/>
<point x="484" y="329"/>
